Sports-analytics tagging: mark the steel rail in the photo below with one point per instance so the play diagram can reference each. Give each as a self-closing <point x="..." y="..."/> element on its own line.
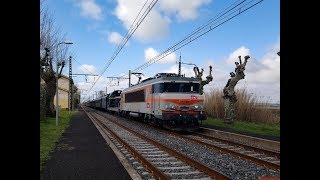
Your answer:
<point x="234" y="153"/>
<point x="217" y="175"/>
<point x="155" y="171"/>
<point x="268" y="164"/>
<point x="256" y="149"/>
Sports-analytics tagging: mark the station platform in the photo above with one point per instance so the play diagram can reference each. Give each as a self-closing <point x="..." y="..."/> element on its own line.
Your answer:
<point x="82" y="153"/>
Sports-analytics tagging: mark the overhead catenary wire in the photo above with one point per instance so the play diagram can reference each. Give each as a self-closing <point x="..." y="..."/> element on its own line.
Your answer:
<point x="227" y="14"/>
<point x="84" y="67"/>
<point x="134" y="26"/>
<point x="212" y="24"/>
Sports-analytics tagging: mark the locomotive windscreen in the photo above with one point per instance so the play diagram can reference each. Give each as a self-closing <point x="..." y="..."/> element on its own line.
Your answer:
<point x="176" y="87"/>
<point x="115" y="93"/>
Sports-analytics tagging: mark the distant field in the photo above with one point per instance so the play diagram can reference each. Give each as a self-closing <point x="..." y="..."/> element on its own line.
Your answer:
<point x="249" y="127"/>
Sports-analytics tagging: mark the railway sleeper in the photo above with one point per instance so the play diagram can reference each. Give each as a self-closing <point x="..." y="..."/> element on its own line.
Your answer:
<point x="144" y="150"/>
<point x="185" y="173"/>
<point x="151" y="152"/>
<point x="161" y="159"/>
<point x="171" y="163"/>
<point x="174" y="167"/>
<point x="156" y="155"/>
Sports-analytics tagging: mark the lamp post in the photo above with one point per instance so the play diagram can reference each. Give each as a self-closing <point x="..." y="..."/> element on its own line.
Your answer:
<point x="57" y="78"/>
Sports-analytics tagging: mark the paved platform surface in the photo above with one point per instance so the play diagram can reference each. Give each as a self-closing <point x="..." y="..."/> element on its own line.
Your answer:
<point x="82" y="153"/>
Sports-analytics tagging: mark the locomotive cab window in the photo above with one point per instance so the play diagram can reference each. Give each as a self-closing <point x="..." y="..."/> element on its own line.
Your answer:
<point x="181" y="87"/>
<point x="175" y="87"/>
<point x="157" y="88"/>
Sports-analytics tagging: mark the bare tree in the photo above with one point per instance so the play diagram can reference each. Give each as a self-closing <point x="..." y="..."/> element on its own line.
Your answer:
<point x="50" y="39"/>
<point x="229" y="94"/>
<point x="198" y="75"/>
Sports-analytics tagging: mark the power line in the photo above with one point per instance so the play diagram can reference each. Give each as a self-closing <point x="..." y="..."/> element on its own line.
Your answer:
<point x="213" y="23"/>
<point x="227" y="14"/>
<point x="84" y="67"/>
<point x="232" y="10"/>
<point x="130" y="32"/>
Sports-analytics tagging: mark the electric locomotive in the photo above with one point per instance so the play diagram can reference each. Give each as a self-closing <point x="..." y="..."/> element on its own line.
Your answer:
<point x="167" y="100"/>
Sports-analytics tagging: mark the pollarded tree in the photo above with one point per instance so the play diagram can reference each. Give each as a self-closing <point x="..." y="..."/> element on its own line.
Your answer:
<point x="48" y="75"/>
<point x="199" y="74"/>
<point x="50" y="41"/>
<point x="229" y="94"/>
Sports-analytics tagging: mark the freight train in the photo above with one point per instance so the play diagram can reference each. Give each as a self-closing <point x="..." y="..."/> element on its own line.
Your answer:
<point x="167" y="100"/>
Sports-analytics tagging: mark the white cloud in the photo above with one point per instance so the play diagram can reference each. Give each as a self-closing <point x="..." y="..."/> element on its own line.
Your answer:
<point x="183" y="9"/>
<point x="86" y="85"/>
<point x="87" y="69"/>
<point x="188" y="72"/>
<point x="262" y="76"/>
<point x="89" y="8"/>
<point x="115" y="38"/>
<point x="156" y="24"/>
<point x="269" y="71"/>
<point x="265" y="70"/>
<point x="233" y="57"/>
<point x="151" y="53"/>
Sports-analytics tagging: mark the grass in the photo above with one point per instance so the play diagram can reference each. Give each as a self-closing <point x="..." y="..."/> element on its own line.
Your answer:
<point x="251" y="127"/>
<point x="50" y="134"/>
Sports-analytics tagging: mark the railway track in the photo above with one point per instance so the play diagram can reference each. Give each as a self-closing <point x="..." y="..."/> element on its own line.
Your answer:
<point x="234" y="160"/>
<point x="161" y="161"/>
<point x="268" y="158"/>
<point x="243" y="139"/>
<point x="265" y="157"/>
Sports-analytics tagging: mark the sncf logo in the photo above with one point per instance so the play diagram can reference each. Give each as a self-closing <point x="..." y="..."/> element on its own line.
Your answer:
<point x="194" y="97"/>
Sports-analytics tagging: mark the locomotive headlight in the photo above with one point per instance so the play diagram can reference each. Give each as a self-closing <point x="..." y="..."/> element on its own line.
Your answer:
<point x="171" y="106"/>
<point x="197" y="107"/>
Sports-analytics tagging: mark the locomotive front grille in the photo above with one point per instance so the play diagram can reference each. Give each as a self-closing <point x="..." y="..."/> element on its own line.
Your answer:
<point x="184" y="108"/>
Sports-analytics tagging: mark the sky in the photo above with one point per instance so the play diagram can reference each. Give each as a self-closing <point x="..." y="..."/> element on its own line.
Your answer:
<point x="96" y="28"/>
